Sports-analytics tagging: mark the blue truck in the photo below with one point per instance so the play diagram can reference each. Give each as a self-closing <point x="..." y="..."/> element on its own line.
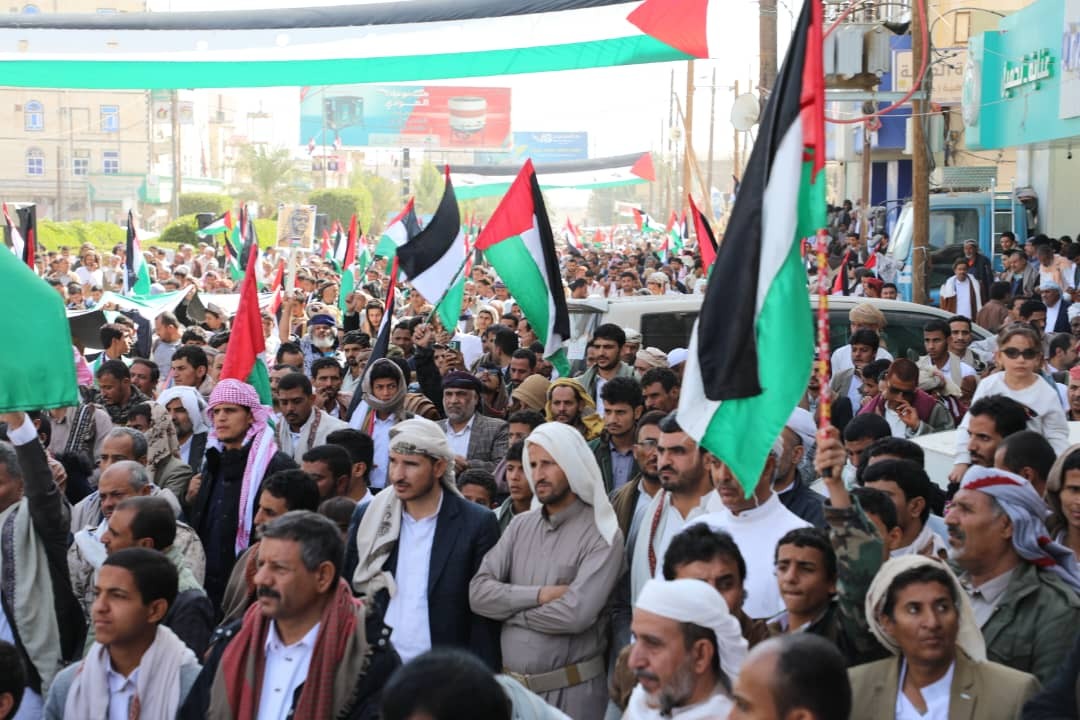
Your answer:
<point x="955" y="217"/>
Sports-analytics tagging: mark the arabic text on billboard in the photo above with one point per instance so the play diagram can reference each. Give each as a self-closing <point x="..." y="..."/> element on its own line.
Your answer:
<point x="445" y="118"/>
<point x="548" y="147"/>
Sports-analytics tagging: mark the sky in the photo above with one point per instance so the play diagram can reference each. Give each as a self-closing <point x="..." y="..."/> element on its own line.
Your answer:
<point x="624" y="109"/>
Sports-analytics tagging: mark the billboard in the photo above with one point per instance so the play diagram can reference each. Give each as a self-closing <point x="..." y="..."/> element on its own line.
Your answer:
<point x="418" y="116"/>
<point x="549" y="147"/>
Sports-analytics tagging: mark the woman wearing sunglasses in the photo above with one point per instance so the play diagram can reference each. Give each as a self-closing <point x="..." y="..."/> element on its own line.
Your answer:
<point x="1020" y="356"/>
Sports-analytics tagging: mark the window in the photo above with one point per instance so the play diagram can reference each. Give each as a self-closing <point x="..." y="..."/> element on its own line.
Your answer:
<point x="949" y="227"/>
<point x="30" y="10"/>
<point x="35" y="162"/>
<point x="111" y="162"/>
<point x="33" y="116"/>
<point x="667" y="331"/>
<point x="80" y="164"/>
<point x="110" y="118"/>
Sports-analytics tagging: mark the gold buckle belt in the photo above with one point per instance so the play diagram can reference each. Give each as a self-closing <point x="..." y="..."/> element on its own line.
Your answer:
<point x="561" y="678"/>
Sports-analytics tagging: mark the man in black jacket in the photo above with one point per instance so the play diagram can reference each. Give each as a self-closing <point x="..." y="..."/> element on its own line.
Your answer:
<point x="240" y="452"/>
<point x="33" y="561"/>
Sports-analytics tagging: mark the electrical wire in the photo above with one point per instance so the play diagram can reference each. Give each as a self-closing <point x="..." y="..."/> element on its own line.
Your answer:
<point x="915" y="87"/>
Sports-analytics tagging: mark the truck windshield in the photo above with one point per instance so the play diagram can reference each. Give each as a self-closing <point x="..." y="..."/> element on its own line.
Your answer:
<point x="901" y="236"/>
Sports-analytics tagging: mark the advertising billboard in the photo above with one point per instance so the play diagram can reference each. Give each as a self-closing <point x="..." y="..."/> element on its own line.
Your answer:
<point x="548" y="147"/>
<point x="418" y="116"/>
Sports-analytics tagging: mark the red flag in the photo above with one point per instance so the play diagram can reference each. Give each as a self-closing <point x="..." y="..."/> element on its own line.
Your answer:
<point x="246" y="341"/>
<point x="705" y="239"/>
<point x="350" y="248"/>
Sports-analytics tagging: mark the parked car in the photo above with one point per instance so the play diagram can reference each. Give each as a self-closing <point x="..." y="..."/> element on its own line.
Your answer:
<point x="666" y="321"/>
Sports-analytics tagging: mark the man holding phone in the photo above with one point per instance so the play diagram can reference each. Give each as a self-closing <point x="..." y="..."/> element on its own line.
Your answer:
<point x="908" y="410"/>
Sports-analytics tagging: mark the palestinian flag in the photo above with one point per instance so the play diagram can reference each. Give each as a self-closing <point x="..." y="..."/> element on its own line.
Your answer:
<point x="40" y="373"/>
<point x="244" y="356"/>
<point x="572" y="235"/>
<point x="752" y="347"/>
<point x="222" y="225"/>
<point x="398" y="232"/>
<point x="491" y="180"/>
<point x="646" y="224"/>
<point x="136" y="275"/>
<point x="359" y="410"/>
<point x="434" y="258"/>
<point x="251" y="247"/>
<point x="348" y="259"/>
<point x="518" y="243"/>
<point x="338" y="45"/>
<point x="674" y="232"/>
<point x="22" y="243"/>
<point x="705" y="239"/>
<point x="840" y="281"/>
<point x="277" y="286"/>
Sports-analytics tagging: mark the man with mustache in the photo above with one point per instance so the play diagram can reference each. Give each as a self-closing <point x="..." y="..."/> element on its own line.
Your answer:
<point x="308" y="649"/>
<point x="306" y="426"/>
<point x="1022" y="586"/>
<point x="688" y="648"/>
<point x="990" y="420"/>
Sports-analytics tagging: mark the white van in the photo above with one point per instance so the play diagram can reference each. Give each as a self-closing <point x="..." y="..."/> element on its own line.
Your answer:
<point x="666" y="321"/>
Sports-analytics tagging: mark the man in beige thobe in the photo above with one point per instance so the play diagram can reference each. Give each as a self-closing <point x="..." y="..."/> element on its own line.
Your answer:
<point x="549" y="578"/>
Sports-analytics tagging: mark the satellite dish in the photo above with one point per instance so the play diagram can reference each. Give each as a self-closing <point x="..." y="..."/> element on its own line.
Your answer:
<point x="745" y="112"/>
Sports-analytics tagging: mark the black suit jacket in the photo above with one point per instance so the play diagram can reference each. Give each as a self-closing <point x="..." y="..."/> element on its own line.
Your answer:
<point x="464" y="533"/>
<point x="1062" y="323"/>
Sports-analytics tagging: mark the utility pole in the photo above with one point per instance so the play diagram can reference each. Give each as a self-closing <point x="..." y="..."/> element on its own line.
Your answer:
<point x="712" y="124"/>
<point x="864" y="219"/>
<point x="688" y="145"/>
<point x="59" y="185"/>
<point x="176" y="169"/>
<point x="735" y="152"/>
<point x="767" y="43"/>
<point x="920" y="180"/>
<point x="670" y="180"/>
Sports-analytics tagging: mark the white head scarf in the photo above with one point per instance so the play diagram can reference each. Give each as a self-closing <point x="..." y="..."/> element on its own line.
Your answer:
<point x="193" y="402"/>
<point x="969" y="638"/>
<point x="698" y="602"/>
<point x="568" y="447"/>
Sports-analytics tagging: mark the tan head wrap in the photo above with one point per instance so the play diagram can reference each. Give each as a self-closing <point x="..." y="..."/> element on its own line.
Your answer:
<point x="969" y="639"/>
<point x="867" y="314"/>
<point x="593" y="423"/>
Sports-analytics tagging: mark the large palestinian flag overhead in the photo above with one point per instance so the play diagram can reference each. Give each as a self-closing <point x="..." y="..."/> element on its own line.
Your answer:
<point x="383" y="42"/>
<point x="473" y="181"/>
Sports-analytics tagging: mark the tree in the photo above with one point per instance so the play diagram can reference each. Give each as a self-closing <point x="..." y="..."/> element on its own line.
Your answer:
<point x="385" y="198"/>
<point x="342" y="204"/>
<point x="271" y="175"/>
<point x="191" y="203"/>
<point x="427" y="188"/>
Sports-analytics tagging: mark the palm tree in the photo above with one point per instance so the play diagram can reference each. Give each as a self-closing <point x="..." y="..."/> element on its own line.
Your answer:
<point x="271" y="175"/>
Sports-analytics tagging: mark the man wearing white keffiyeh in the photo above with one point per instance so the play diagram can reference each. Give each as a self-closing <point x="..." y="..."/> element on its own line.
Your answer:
<point x="240" y="452"/>
<point x="1022" y="585"/>
<point x="137" y="669"/>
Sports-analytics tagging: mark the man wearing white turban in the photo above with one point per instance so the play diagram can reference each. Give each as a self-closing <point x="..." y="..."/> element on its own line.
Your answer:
<point x="188" y="411"/>
<point x="1022" y="585"/>
<point x="688" y="648"/>
<point x="917" y="609"/>
<point x="549" y="578"/>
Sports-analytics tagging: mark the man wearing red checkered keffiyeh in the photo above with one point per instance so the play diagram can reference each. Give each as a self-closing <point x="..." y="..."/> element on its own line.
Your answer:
<point x="240" y="452"/>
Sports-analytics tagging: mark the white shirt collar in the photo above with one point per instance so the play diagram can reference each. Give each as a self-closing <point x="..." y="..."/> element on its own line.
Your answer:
<point x="117" y="682"/>
<point x="757" y="513"/>
<point x="274" y="642"/>
<point x="468" y="427"/>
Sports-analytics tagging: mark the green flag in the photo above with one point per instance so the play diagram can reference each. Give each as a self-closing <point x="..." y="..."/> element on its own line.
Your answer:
<point x="39" y="371"/>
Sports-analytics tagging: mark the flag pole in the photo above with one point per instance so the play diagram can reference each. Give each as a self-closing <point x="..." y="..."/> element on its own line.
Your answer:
<point x="435" y="306"/>
<point x="823" y="354"/>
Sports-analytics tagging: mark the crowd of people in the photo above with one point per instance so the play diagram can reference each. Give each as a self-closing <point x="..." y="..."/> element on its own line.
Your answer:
<point x="452" y="530"/>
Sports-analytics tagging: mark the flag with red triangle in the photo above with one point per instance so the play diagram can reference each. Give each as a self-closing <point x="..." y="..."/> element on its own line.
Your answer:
<point x="705" y="239"/>
<point x="244" y="356"/>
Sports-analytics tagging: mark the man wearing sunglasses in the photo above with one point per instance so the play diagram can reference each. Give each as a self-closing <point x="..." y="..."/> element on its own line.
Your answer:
<point x="908" y="410"/>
